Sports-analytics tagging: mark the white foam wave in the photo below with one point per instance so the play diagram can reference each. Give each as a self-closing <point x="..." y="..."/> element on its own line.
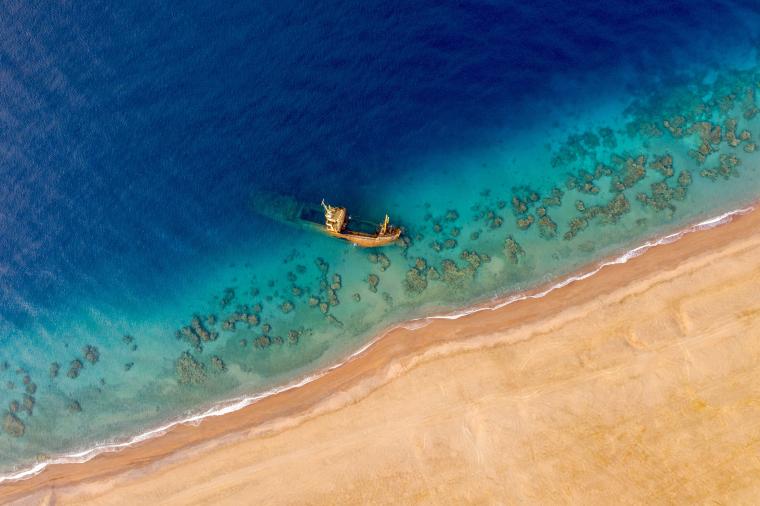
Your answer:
<point x="236" y="404"/>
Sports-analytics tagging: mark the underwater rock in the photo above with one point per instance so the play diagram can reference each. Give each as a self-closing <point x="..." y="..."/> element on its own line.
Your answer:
<point x="201" y="331"/>
<point x="577" y="224"/>
<point x="211" y="320"/>
<point x="128" y="366"/>
<point x="357" y="297"/>
<point x="414" y="283"/>
<point x="54" y="368"/>
<point x="554" y="198"/>
<point x="266" y="328"/>
<point x="189" y="370"/>
<point x="449" y="244"/>
<point x="493" y="220"/>
<point x="433" y="274"/>
<point x="420" y="264"/>
<point x="324" y="307"/>
<point x="296" y="291"/>
<point x="588" y="187"/>
<point x="262" y="342"/>
<point x="404" y="242"/>
<point x="331" y="319"/>
<point x="373" y="281"/>
<point x="31" y="388"/>
<point x="663" y="165"/>
<point x="291" y="276"/>
<point x="293" y="336"/>
<point x="386" y="298"/>
<point x="513" y="250"/>
<point x="242" y="343"/>
<point x="91" y="354"/>
<point x="332" y="298"/>
<point x="608" y="138"/>
<point x="437" y="228"/>
<point x="74" y="407"/>
<point x="631" y="173"/>
<point x="127" y="339"/>
<point x="452" y="275"/>
<point x="436" y="246"/>
<point x="684" y="178"/>
<point x="518" y="206"/>
<point x="228" y="297"/>
<point x="675" y="126"/>
<point x="322" y="265"/>
<point x="617" y="207"/>
<point x="726" y="170"/>
<point x="547" y="228"/>
<point x="14" y="406"/>
<point x="287" y="307"/>
<point x="384" y="261"/>
<point x="27" y="403"/>
<point x="541" y="212"/>
<point x="602" y="170"/>
<point x="313" y="301"/>
<point x="451" y="215"/>
<point x="277" y="340"/>
<point x="218" y="364"/>
<point x="474" y="259"/>
<point x="749" y="147"/>
<point x="475" y="236"/>
<point x="13" y="426"/>
<point x="455" y="232"/>
<point x="525" y="223"/>
<point x="74" y="368"/>
<point x="730" y="132"/>
<point x="580" y="206"/>
<point x="337" y="282"/>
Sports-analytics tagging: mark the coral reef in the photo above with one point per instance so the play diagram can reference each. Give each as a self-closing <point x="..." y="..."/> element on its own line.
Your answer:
<point x="547" y="228"/>
<point x="414" y="282"/>
<point x="189" y="370"/>
<point x="74" y="368"/>
<point x="91" y="354"/>
<point x="54" y="368"/>
<point x="228" y="297"/>
<point x="451" y="215"/>
<point x="373" y="280"/>
<point x="218" y="364"/>
<point x="513" y="250"/>
<point x="13" y="426"/>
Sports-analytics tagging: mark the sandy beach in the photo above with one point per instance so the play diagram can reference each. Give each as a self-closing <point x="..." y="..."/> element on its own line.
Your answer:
<point x="640" y="383"/>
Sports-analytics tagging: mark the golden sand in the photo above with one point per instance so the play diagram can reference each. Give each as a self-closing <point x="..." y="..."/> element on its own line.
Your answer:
<point x="638" y="385"/>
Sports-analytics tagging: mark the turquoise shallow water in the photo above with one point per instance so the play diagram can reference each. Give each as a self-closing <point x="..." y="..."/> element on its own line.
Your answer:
<point x="244" y="304"/>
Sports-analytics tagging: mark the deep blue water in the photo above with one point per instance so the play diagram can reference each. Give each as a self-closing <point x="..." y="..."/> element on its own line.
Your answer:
<point x="132" y="134"/>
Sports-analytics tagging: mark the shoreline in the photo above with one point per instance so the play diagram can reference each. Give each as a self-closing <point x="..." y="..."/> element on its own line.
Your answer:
<point x="389" y="347"/>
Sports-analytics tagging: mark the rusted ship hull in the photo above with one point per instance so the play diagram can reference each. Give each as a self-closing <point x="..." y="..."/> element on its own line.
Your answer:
<point x="287" y="210"/>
